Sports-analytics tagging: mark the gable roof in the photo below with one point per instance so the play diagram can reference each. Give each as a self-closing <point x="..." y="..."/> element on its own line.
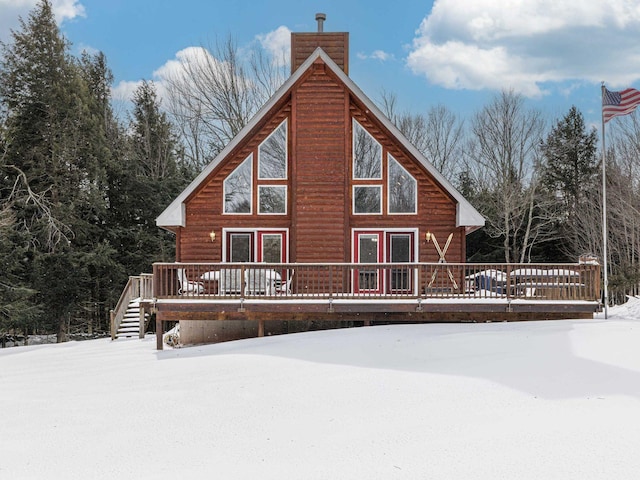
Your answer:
<point x="466" y="215"/>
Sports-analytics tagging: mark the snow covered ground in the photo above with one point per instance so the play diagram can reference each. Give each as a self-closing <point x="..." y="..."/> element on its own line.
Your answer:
<point x="535" y="400"/>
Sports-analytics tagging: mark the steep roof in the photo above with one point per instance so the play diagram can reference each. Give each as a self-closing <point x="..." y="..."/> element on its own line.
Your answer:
<point x="466" y="215"/>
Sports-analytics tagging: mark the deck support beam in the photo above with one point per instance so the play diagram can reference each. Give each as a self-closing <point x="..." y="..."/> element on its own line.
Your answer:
<point x="261" y="327"/>
<point x="159" y="332"/>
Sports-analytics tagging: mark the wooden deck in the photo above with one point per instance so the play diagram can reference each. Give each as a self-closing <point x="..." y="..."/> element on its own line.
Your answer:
<point x="369" y="293"/>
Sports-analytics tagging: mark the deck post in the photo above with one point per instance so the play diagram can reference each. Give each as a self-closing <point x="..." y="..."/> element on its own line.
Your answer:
<point x="159" y="331"/>
<point x="112" y="324"/>
<point x="261" y="327"/>
<point x="141" y="321"/>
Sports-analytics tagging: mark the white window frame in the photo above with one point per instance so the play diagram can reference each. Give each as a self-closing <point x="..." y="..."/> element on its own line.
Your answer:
<point x="254" y="232"/>
<point x="224" y="188"/>
<point x="353" y="200"/>
<point x="260" y="187"/>
<point x="391" y="158"/>
<point x="286" y="151"/>
<point x="353" y="151"/>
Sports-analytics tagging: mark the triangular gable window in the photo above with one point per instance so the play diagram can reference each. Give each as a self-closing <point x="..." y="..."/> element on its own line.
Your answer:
<point x="272" y="155"/>
<point x="238" y="188"/>
<point x="367" y="154"/>
<point x="403" y="188"/>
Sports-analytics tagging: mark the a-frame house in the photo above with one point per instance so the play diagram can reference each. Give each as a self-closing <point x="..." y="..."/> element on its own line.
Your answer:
<point x="319" y="209"/>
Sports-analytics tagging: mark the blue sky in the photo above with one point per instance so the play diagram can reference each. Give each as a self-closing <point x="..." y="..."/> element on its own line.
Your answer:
<point x="456" y="52"/>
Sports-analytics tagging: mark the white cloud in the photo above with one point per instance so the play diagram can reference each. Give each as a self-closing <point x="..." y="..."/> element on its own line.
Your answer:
<point x="67" y="9"/>
<point x="278" y="44"/>
<point x="123" y="91"/>
<point x="12" y="10"/>
<point x="190" y="59"/>
<point x="483" y="45"/>
<point x="376" y="55"/>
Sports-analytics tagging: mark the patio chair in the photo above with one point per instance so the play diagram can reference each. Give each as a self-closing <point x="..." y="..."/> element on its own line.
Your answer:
<point x="187" y="287"/>
<point x="230" y="281"/>
<point x="285" y="287"/>
<point x="256" y="283"/>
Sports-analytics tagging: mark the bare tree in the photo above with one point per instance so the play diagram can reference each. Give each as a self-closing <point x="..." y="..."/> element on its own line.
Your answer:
<point x="503" y="151"/>
<point x="215" y="91"/>
<point x="438" y="135"/>
<point x="623" y="207"/>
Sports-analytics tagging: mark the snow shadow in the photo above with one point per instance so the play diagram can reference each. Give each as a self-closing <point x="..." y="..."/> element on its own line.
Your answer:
<point x="545" y="358"/>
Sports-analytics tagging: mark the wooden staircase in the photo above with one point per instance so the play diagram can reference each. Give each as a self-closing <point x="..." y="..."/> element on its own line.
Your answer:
<point x="130" y="324"/>
<point x="129" y="319"/>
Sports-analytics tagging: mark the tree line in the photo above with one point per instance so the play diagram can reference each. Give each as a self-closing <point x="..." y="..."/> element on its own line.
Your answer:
<point x="80" y="187"/>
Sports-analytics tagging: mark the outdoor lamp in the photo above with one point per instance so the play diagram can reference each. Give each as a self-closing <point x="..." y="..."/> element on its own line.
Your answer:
<point x="212" y="236"/>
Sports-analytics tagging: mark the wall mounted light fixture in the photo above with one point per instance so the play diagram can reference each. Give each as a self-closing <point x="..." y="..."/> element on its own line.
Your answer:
<point x="212" y="236"/>
<point x="427" y="237"/>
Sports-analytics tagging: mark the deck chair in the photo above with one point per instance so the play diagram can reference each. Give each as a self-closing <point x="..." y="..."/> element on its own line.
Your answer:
<point x="230" y="281"/>
<point x="255" y="280"/>
<point x="186" y="286"/>
<point x="285" y="287"/>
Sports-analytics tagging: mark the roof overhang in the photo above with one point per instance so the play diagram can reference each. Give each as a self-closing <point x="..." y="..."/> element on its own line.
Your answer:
<point x="466" y="215"/>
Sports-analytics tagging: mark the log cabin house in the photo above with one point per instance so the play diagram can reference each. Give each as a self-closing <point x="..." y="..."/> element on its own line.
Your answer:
<point x="320" y="210"/>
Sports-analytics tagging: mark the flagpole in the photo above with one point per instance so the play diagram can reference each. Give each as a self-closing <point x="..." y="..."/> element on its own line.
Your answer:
<point x="605" y="255"/>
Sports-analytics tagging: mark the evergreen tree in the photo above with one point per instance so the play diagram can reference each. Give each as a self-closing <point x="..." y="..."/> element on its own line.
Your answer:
<point x="149" y="180"/>
<point x="569" y="173"/>
<point x="52" y="170"/>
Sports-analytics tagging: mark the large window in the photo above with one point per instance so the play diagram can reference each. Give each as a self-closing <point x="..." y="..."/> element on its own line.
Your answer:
<point x="238" y="188"/>
<point x="367" y="154"/>
<point x="272" y="155"/>
<point x="403" y="188"/>
<point x="269" y="192"/>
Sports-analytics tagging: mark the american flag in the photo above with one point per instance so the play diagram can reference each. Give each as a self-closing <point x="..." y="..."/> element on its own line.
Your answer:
<point x="619" y="103"/>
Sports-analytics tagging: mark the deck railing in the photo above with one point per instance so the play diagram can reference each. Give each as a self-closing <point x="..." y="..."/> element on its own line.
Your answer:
<point x="384" y="281"/>
<point x="138" y="286"/>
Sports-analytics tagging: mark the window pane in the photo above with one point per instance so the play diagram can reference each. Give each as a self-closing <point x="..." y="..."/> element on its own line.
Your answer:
<point x="240" y="247"/>
<point x="400" y="252"/>
<point x="367" y="199"/>
<point x="272" y="154"/>
<point x="237" y="188"/>
<point x="400" y="248"/>
<point x="368" y="253"/>
<point x="272" y="199"/>
<point x="272" y="248"/>
<point x="402" y="189"/>
<point x="368" y="248"/>
<point x="367" y="154"/>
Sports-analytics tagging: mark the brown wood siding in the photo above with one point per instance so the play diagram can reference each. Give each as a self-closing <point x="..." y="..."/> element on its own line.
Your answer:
<point x="335" y="44"/>
<point x="321" y="207"/>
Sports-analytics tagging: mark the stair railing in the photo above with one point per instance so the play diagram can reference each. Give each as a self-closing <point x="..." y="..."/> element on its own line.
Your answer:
<point x="131" y="291"/>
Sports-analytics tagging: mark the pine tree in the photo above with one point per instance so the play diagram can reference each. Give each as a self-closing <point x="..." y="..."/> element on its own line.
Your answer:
<point x="149" y="180"/>
<point x="569" y="173"/>
<point x="53" y="165"/>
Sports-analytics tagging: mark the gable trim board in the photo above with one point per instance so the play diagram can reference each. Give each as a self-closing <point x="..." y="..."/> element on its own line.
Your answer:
<point x="175" y="214"/>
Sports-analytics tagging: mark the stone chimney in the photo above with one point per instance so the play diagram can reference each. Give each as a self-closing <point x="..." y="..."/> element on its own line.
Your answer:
<point x="335" y="44"/>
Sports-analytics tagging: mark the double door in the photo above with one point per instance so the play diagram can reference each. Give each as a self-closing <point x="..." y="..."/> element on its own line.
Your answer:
<point x="379" y="247"/>
<point x="268" y="246"/>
